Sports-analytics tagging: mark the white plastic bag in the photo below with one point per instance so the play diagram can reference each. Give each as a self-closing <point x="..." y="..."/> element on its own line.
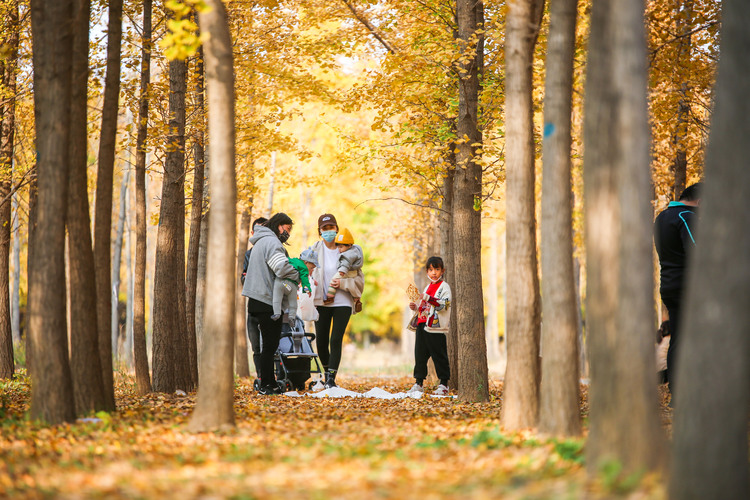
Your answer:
<point x="306" y="310"/>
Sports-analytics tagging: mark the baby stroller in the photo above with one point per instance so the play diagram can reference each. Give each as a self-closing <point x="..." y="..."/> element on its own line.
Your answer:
<point x="295" y="360"/>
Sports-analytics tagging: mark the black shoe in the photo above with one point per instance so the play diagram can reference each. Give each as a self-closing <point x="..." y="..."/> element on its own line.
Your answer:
<point x="270" y="390"/>
<point x="331" y="379"/>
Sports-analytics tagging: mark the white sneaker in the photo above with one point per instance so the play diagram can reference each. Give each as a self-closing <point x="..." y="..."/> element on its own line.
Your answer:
<point x="441" y="390"/>
<point x="415" y="388"/>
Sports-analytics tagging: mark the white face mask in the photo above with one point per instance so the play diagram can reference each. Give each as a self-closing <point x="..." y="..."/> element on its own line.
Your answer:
<point x="434" y="280"/>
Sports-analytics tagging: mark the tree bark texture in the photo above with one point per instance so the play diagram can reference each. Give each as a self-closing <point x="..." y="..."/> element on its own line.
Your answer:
<point x="196" y="213"/>
<point x="241" y="363"/>
<point x="559" y="411"/>
<point x="467" y="194"/>
<point x="170" y="347"/>
<point x="85" y="364"/>
<point x="522" y="373"/>
<point x="103" y="207"/>
<point x="214" y="406"/>
<point x="52" y="388"/>
<point x="618" y="217"/>
<point x="140" y="354"/>
<point x="712" y="401"/>
<point x="446" y="250"/>
<point x="8" y="68"/>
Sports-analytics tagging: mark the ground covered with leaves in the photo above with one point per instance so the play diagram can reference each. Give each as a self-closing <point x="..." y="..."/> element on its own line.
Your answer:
<point x="291" y="448"/>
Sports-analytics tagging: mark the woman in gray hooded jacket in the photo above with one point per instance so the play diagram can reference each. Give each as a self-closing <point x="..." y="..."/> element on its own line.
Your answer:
<point x="268" y="261"/>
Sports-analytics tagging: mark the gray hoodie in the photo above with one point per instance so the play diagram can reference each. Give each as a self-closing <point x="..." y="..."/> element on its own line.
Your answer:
<point x="268" y="260"/>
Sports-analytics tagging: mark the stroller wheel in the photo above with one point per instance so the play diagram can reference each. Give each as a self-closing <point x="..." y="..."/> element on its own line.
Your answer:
<point x="285" y="385"/>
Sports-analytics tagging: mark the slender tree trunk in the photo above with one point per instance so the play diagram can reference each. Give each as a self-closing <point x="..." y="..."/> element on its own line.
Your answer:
<point x="52" y="388"/>
<point x="215" y="397"/>
<point x="196" y="212"/>
<point x="559" y="411"/>
<point x="712" y="402"/>
<point x="140" y="354"/>
<point x="32" y="223"/>
<point x="619" y="309"/>
<point x="8" y="69"/>
<point x="446" y="250"/>
<point x="169" y="277"/>
<point x="241" y="363"/>
<point x="467" y="227"/>
<point x="200" y="286"/>
<point x="522" y="373"/>
<point x="116" y="263"/>
<point x="128" y="345"/>
<point x="85" y="363"/>
<point x="103" y="202"/>
<point x="15" y="298"/>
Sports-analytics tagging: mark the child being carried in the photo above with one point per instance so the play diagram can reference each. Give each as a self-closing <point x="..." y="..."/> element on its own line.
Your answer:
<point x="285" y="290"/>
<point x="351" y="260"/>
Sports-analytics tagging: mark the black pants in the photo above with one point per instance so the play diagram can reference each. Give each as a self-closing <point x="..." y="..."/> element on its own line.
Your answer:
<point x="338" y="317"/>
<point x="431" y="345"/>
<point x="253" y="334"/>
<point x="270" y="332"/>
<point x="673" y="302"/>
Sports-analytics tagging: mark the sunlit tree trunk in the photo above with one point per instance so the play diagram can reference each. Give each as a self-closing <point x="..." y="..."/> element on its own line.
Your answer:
<point x="169" y="277"/>
<point x="140" y="355"/>
<point x="467" y="194"/>
<point x="523" y="308"/>
<point x="85" y="363"/>
<point x="712" y="402"/>
<point x="618" y="217"/>
<point x="196" y="214"/>
<point x="241" y="363"/>
<point x="8" y="68"/>
<point x="103" y="202"/>
<point x="52" y="388"/>
<point x="559" y="412"/>
<point x="215" y="396"/>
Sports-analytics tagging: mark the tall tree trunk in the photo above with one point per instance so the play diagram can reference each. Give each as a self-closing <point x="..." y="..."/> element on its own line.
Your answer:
<point x="619" y="311"/>
<point x="85" y="364"/>
<point x="467" y="224"/>
<point x="214" y="407"/>
<point x="169" y="277"/>
<point x="103" y="202"/>
<point x="116" y="263"/>
<point x="446" y="251"/>
<point x="559" y="411"/>
<point x="15" y="297"/>
<point x="712" y="402"/>
<point x="522" y="373"/>
<point x="8" y="68"/>
<point x="52" y="388"/>
<point x="196" y="213"/>
<point x="128" y="345"/>
<point x="142" y="377"/>
<point x="30" y="258"/>
<point x="242" y="366"/>
<point x="200" y="286"/>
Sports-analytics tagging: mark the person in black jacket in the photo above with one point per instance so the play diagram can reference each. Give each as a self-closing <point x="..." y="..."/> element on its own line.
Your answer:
<point x="253" y="331"/>
<point x="674" y="236"/>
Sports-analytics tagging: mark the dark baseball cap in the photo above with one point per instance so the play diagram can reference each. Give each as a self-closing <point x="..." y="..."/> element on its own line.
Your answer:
<point x="326" y="219"/>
